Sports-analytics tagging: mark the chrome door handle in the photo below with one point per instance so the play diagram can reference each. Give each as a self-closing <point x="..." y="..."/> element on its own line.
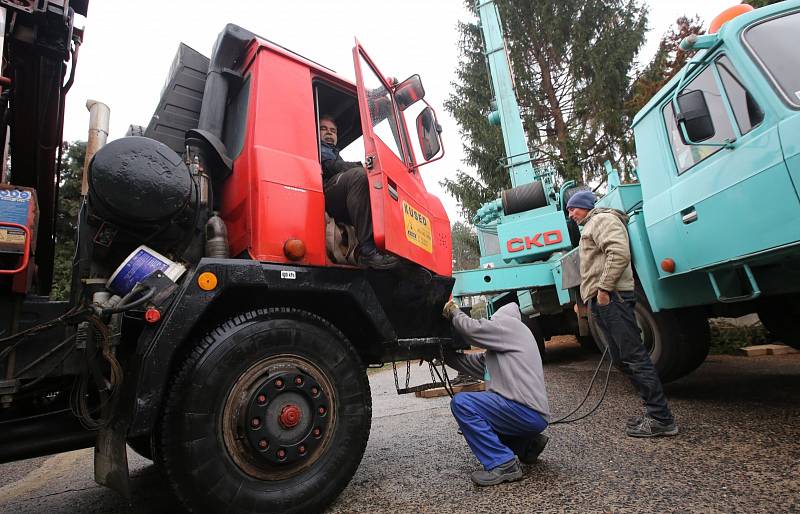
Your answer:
<point x="689" y="216"/>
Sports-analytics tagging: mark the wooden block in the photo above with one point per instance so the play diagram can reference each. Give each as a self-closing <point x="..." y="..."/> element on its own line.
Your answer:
<point x="441" y="391"/>
<point x="752" y="351"/>
<point x="780" y="349"/>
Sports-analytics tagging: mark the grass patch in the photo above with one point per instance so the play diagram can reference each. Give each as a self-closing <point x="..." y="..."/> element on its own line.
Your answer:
<point x="727" y="338"/>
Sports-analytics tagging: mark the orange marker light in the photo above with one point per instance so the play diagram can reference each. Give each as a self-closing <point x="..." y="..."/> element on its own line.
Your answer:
<point x="207" y="281"/>
<point x="668" y="265"/>
<point x="727" y="15"/>
<point x="294" y="249"/>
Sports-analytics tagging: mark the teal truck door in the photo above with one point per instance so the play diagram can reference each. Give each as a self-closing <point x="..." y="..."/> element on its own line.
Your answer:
<point x="729" y="202"/>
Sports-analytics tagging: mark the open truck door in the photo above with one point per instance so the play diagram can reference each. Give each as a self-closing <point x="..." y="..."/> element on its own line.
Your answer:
<point x="407" y="220"/>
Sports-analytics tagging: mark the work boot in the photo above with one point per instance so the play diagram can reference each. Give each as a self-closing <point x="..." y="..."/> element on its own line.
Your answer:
<point x="650" y="427"/>
<point x="377" y="260"/>
<point x="634" y="421"/>
<point x="534" y="448"/>
<point x="507" y="472"/>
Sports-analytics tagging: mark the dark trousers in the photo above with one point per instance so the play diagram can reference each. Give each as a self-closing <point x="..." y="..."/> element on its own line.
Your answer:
<point x="347" y="200"/>
<point x="618" y="324"/>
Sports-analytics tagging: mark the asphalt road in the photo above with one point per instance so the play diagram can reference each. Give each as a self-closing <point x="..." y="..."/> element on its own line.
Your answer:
<point x="738" y="451"/>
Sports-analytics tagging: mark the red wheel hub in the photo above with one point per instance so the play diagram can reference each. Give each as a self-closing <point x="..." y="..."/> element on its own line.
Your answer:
<point x="290" y="416"/>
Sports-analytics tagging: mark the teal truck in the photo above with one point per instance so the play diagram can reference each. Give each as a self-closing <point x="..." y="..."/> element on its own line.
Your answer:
<point x="714" y="219"/>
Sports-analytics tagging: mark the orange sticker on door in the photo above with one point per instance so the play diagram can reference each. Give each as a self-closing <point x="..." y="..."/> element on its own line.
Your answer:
<point x="418" y="228"/>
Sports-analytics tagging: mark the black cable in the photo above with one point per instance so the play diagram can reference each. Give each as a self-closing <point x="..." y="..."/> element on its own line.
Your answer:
<point x="602" y="397"/>
<point x="563" y="419"/>
<point x="122" y="307"/>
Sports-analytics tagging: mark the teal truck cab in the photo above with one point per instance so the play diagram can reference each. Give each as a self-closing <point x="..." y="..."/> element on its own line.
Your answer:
<point x="714" y="220"/>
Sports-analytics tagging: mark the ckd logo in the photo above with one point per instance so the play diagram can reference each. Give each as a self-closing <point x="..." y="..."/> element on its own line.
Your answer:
<point x="541" y="239"/>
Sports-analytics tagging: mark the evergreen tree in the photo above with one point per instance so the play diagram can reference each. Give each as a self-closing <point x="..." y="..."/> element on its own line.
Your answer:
<point x="761" y="3"/>
<point x="668" y="61"/>
<point x="69" y="198"/>
<point x="466" y="251"/>
<point x="571" y="62"/>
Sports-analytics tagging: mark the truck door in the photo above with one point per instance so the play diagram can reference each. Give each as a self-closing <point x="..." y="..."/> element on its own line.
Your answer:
<point x="405" y="217"/>
<point x="729" y="201"/>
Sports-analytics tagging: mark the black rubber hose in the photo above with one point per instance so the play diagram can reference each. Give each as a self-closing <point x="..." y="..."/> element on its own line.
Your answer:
<point x="122" y="307"/>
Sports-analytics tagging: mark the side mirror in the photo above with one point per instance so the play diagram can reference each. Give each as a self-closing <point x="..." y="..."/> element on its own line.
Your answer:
<point x="408" y="92"/>
<point x="695" y="116"/>
<point x="429" y="130"/>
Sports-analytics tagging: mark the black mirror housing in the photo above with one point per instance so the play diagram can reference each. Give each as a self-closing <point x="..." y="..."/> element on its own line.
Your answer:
<point x="409" y="92"/>
<point x="695" y="116"/>
<point x="429" y="132"/>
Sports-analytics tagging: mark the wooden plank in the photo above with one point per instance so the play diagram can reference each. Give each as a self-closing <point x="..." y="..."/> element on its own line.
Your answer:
<point x="780" y="349"/>
<point x="441" y="391"/>
<point x="753" y="351"/>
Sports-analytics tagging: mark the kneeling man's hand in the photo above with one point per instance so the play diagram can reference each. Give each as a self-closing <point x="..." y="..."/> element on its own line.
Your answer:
<point x="450" y="309"/>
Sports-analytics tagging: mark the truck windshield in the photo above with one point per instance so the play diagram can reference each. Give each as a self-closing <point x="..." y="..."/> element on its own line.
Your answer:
<point x="771" y="42"/>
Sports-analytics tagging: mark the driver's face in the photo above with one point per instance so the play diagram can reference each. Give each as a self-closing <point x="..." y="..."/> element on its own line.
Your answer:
<point x="327" y="131"/>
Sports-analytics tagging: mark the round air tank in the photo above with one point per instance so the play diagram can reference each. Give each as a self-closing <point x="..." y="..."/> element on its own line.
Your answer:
<point x="137" y="181"/>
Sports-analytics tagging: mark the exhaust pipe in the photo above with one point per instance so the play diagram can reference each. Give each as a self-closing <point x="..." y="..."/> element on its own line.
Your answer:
<point x="99" y="116"/>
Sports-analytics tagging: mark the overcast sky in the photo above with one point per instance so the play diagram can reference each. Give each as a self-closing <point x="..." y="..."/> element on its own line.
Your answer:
<point x="129" y="46"/>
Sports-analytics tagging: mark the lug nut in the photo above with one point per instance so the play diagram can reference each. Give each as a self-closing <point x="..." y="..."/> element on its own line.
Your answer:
<point x="281" y="454"/>
<point x="314" y="391"/>
<point x="322" y="410"/>
<point x="298" y="380"/>
<point x="262" y="399"/>
<point x="263" y="444"/>
<point x="255" y="422"/>
<point x="301" y="449"/>
<point x="279" y="383"/>
<point x="317" y="432"/>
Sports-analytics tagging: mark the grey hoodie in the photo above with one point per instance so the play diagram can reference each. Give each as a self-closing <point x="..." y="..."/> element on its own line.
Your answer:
<point x="511" y="366"/>
<point x="605" y="252"/>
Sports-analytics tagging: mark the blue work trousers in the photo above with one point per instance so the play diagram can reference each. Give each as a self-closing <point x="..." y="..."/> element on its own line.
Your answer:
<point x="617" y="322"/>
<point x="495" y="428"/>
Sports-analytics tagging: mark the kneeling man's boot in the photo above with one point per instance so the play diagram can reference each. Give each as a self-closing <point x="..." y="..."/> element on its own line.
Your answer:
<point x="509" y="471"/>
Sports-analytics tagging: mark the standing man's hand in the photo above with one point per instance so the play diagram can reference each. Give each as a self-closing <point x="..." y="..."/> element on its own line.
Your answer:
<point x="450" y="309"/>
<point x="603" y="298"/>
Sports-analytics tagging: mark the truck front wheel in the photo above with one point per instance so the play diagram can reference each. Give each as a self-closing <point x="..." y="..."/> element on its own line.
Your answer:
<point x="271" y="411"/>
<point x="677" y="340"/>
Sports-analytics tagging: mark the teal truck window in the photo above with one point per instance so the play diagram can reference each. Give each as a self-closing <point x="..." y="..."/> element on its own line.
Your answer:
<point x="687" y="156"/>
<point x="745" y="109"/>
<point x="770" y="43"/>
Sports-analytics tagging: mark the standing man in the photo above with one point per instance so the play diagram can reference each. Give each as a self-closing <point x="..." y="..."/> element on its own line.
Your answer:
<point x="607" y="287"/>
<point x="502" y="425"/>
<point x="346" y="190"/>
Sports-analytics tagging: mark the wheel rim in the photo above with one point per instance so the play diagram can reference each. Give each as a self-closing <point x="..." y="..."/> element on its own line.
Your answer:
<point x="279" y="417"/>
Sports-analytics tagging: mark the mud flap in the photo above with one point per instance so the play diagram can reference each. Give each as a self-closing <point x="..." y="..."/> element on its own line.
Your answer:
<point x="111" y="461"/>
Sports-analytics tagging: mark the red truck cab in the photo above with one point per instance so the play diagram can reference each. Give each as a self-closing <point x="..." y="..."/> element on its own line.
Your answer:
<point x="271" y="132"/>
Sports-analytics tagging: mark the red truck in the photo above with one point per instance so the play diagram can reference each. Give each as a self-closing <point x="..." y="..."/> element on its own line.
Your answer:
<point x="210" y="326"/>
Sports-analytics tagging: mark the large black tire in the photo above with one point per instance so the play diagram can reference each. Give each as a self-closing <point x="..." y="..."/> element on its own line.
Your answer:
<point x="677" y="340"/>
<point x="270" y="412"/>
<point x="779" y="314"/>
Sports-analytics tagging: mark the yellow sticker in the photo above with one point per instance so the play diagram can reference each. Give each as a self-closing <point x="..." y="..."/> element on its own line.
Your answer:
<point x="418" y="228"/>
<point x="12" y="236"/>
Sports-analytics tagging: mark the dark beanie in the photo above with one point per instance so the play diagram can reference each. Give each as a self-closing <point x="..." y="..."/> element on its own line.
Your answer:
<point x="582" y="200"/>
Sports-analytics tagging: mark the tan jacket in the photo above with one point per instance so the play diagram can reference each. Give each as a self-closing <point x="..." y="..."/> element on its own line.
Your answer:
<point x="605" y="252"/>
